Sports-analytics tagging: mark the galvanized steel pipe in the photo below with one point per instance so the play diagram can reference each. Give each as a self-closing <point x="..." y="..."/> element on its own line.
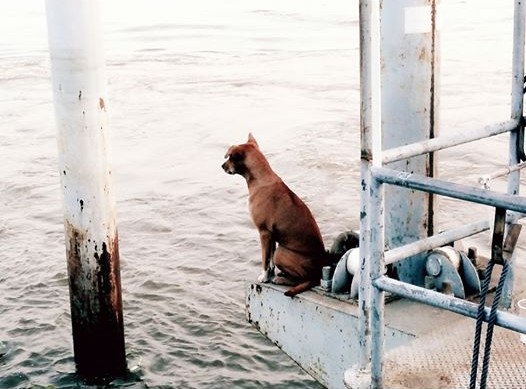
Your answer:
<point x="377" y="265"/>
<point x="517" y="94"/>
<point x="81" y="114"/>
<point x="517" y="109"/>
<point x="450" y="189"/>
<point x="435" y="241"/>
<point x="443" y="142"/>
<point x="370" y="143"/>
<point x="505" y="171"/>
<point x="450" y="303"/>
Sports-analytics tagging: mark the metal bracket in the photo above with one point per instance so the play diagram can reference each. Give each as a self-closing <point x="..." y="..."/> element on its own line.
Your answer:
<point x="520" y="131"/>
<point x="510" y="243"/>
<point x="520" y="141"/>
<point x="497" y="241"/>
<point x="502" y="249"/>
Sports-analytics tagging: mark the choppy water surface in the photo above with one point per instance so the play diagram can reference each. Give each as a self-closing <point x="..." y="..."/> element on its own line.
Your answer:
<point x="186" y="81"/>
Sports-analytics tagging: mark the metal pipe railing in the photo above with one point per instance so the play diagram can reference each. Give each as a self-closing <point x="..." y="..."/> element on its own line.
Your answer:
<point x="370" y="112"/>
<point x="435" y="241"/>
<point x="517" y="112"/>
<point x="450" y="189"/>
<point x="450" y="303"/>
<point x="505" y="171"/>
<point x="443" y="142"/>
<point x="519" y="14"/>
<point x="373" y="176"/>
<point x="377" y="245"/>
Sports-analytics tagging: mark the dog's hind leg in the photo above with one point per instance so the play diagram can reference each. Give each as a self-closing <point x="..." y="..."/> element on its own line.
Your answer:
<point x="281" y="280"/>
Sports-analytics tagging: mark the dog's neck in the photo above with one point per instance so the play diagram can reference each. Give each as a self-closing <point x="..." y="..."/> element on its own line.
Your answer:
<point x="261" y="174"/>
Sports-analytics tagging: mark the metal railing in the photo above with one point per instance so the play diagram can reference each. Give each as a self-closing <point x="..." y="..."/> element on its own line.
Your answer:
<point x="373" y="257"/>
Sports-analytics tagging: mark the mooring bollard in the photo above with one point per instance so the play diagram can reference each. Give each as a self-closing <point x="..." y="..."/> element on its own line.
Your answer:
<point x="79" y="89"/>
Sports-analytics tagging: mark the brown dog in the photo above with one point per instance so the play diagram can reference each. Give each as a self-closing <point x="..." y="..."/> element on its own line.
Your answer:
<point x="280" y="217"/>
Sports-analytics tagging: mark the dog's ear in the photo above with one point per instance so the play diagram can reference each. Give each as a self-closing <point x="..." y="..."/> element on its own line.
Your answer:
<point x="252" y="140"/>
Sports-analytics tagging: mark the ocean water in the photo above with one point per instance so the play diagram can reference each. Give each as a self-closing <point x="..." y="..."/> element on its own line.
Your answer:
<point x="186" y="80"/>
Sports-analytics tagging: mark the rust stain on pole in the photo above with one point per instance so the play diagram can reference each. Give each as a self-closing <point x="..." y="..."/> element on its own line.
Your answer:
<point x="96" y="305"/>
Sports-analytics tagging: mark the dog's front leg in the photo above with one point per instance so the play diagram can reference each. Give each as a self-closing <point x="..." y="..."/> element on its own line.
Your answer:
<point x="268" y="246"/>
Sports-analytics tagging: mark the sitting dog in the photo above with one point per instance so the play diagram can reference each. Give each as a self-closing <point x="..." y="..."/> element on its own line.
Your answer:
<point x="280" y="217"/>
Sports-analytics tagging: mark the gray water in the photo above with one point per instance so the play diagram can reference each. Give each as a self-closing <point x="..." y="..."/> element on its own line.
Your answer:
<point x="186" y="80"/>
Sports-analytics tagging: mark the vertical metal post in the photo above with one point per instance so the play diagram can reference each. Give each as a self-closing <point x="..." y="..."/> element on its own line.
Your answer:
<point x="79" y="89"/>
<point x="398" y="106"/>
<point x="370" y="148"/>
<point x="517" y="84"/>
<point x="410" y="52"/>
<point x="366" y="159"/>
<point x="517" y="81"/>
<point x="377" y="295"/>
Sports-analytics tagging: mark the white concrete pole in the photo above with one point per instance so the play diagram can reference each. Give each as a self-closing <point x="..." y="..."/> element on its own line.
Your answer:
<point x="77" y="65"/>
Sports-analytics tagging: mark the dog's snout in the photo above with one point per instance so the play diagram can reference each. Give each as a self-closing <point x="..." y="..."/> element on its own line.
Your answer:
<point x="228" y="168"/>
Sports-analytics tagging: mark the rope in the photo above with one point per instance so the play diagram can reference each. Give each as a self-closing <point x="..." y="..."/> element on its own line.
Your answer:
<point x="478" y="327"/>
<point x="491" y="325"/>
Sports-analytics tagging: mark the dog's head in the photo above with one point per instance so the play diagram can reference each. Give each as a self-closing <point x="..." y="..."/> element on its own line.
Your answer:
<point x="238" y="157"/>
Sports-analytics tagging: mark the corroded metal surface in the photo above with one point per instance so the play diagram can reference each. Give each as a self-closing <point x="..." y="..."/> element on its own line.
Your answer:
<point x="317" y="332"/>
<point x="410" y="52"/>
<point x="96" y="304"/>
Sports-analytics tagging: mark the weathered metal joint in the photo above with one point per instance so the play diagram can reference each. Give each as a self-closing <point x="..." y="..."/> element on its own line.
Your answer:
<point x="366" y="155"/>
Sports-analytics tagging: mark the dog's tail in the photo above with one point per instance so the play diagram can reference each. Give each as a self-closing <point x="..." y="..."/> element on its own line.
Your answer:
<point x="300" y="288"/>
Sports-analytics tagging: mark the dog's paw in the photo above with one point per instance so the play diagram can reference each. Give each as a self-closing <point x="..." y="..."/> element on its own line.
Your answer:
<point x="264" y="276"/>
